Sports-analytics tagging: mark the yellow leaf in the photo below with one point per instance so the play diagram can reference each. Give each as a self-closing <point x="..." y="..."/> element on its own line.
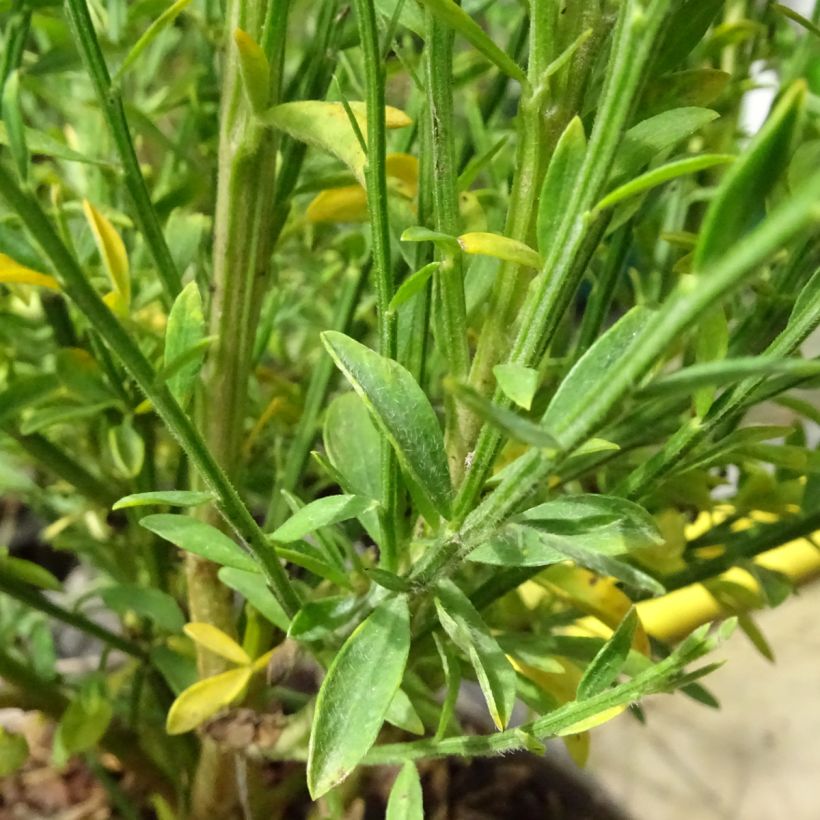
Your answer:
<point x="591" y="722"/>
<point x="217" y="641"/>
<point x="578" y="748"/>
<point x="112" y="250"/>
<point x="325" y="125"/>
<point x="346" y="204"/>
<point x="261" y="663"/>
<point x="205" y="698"/>
<point x="594" y="595"/>
<point x="349" y="202"/>
<point x="13" y="273"/>
<point x="501" y="247"/>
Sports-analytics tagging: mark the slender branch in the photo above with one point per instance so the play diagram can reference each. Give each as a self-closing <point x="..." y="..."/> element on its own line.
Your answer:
<point x="111" y="104"/>
<point x="126" y="349"/>
<point x="377" y="206"/>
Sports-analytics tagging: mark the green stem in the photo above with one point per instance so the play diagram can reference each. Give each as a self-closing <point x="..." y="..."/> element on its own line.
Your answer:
<point x="36" y="600"/>
<point x="377" y="206"/>
<point x="78" y="289"/>
<point x="551" y="291"/>
<point x="449" y="280"/>
<point x="111" y="104"/>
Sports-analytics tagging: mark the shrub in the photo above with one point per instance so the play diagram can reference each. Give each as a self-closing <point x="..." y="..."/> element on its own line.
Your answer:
<point x="434" y="337"/>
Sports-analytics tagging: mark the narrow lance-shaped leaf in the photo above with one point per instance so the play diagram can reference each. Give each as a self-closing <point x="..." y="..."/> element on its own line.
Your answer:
<point x="740" y="198"/>
<point x="467" y="630"/>
<point x="113" y="254"/>
<point x="413" y="284"/>
<point x="501" y="247"/>
<point x="199" y="538"/>
<point x="559" y="181"/>
<point x="185" y="332"/>
<point x="13" y="273"/>
<point x="326" y="125"/>
<point x="323" y="512"/>
<point x="15" y="128"/>
<point x="205" y="698"/>
<point x="454" y="16"/>
<point x="171" y="498"/>
<point x="594" y="367"/>
<point x="711" y="343"/>
<point x="657" y="176"/>
<point x="254" y="69"/>
<point x="402" y="412"/>
<point x="154" y="604"/>
<point x="216" y="641"/>
<point x="252" y="586"/>
<point x="405" y="802"/>
<point x="356" y="694"/>
<point x="607" y="664"/>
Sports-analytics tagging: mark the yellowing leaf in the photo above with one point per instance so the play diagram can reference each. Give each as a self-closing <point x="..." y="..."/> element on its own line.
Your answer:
<point x="217" y="641"/>
<point x="593" y="594"/>
<point x="346" y="204"/>
<point x="254" y="69"/>
<point x="501" y="247"/>
<point x="112" y="250"/>
<point x="205" y="698"/>
<point x="349" y="202"/>
<point x="591" y="722"/>
<point x="578" y="748"/>
<point x="326" y="125"/>
<point x="13" y="273"/>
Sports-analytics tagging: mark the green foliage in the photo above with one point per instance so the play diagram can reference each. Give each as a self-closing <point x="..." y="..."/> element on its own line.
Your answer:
<point x="524" y="329"/>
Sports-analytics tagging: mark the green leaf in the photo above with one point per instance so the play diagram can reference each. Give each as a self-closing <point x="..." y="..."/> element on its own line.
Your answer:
<point x="15" y="128"/>
<point x="413" y="284"/>
<point x="406" y="798"/>
<point x="444" y="241"/>
<point x="711" y="343"/>
<point x="738" y="204"/>
<point x="454" y="16"/>
<point x="411" y="14"/>
<point x="462" y="622"/>
<point x="154" y="604"/>
<point x="148" y="36"/>
<point x="608" y="663"/>
<point x="170" y="498"/>
<point x="388" y="580"/>
<point x="14" y="753"/>
<point x="252" y="586"/>
<point x="694" y="87"/>
<point x="452" y="681"/>
<point x="85" y="720"/>
<point x="402" y="411"/>
<point x="318" y="619"/>
<point x="43" y="145"/>
<point x="185" y="331"/>
<point x="205" y="698"/>
<point x="402" y="714"/>
<point x="724" y="372"/>
<point x="352" y="443"/>
<point x="797" y="18"/>
<point x="508" y="421"/>
<point x="326" y="126"/>
<point x="45" y="417"/>
<point x="644" y="141"/>
<point x="27" y="571"/>
<point x="323" y="512"/>
<point x="605" y="524"/>
<point x="127" y="449"/>
<point x="481" y="243"/>
<point x="593" y="368"/>
<point x="518" y="383"/>
<point x="356" y="694"/>
<point x="179" y="671"/>
<point x="559" y="183"/>
<point x="657" y="176"/>
<point x="199" y="538"/>
<point x="254" y="70"/>
<point x="685" y="27"/>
